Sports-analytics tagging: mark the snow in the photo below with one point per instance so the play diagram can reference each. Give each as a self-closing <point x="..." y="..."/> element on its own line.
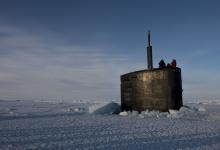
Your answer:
<point x="201" y="109"/>
<point x="123" y="113"/>
<point x="173" y="113"/>
<point x="46" y="125"/>
<point x="105" y="108"/>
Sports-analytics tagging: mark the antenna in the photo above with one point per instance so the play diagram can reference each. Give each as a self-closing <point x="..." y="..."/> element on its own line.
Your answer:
<point x="149" y="38"/>
<point x="149" y="53"/>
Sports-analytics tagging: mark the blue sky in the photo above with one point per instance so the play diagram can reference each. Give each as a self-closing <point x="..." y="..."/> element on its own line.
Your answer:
<point x="72" y="49"/>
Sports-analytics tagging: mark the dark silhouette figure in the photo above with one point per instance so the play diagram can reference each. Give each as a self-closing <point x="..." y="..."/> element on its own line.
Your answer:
<point x="162" y="64"/>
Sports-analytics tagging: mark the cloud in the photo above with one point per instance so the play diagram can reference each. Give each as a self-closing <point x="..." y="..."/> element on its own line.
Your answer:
<point x="44" y="65"/>
<point x="41" y="65"/>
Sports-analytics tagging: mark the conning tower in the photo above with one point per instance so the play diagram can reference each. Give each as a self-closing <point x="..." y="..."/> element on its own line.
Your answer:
<point x="152" y="88"/>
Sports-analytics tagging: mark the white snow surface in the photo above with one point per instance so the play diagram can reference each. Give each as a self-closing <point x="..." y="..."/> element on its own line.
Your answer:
<point x="46" y="125"/>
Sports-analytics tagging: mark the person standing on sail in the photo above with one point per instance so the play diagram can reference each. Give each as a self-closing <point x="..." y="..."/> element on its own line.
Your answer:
<point x="173" y="63"/>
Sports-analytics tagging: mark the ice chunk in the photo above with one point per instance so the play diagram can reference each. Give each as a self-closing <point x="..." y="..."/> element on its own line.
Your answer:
<point x="141" y="115"/>
<point x="78" y="109"/>
<point x="152" y="113"/>
<point x="110" y="108"/>
<point x="145" y="112"/>
<point x="163" y="114"/>
<point x="124" y="113"/>
<point x="173" y="113"/>
<point x="201" y="109"/>
<point x="70" y="109"/>
<point x="188" y="109"/>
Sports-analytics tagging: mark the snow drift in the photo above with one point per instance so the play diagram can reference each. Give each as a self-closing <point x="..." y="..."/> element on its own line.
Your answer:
<point x="105" y="108"/>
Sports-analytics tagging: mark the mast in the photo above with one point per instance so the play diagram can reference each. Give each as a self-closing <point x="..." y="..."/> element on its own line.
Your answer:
<point x="148" y="38"/>
<point x="149" y="54"/>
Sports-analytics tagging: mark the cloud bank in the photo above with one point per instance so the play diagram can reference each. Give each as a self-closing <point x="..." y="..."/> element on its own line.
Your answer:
<point x="44" y="66"/>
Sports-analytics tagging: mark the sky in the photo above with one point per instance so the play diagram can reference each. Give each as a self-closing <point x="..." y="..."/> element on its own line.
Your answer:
<point x="77" y="49"/>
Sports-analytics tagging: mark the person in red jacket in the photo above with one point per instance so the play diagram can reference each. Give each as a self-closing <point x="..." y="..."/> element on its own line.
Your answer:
<point x="173" y="63"/>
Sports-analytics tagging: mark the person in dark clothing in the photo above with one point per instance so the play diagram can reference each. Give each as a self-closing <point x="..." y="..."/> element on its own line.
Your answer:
<point x="162" y="64"/>
<point x="168" y="65"/>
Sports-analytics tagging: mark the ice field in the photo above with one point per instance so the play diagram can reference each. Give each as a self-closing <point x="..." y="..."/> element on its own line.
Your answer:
<point x="80" y="125"/>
